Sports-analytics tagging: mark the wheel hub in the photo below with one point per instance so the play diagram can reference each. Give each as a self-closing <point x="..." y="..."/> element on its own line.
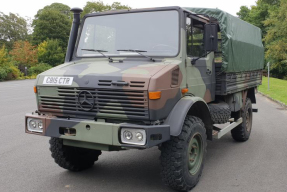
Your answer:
<point x="195" y="153"/>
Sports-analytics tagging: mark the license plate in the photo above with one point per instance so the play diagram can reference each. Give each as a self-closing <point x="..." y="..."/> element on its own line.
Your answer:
<point x="58" y="80"/>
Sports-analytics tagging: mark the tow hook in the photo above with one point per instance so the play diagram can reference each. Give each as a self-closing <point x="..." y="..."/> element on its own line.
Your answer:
<point x="67" y="131"/>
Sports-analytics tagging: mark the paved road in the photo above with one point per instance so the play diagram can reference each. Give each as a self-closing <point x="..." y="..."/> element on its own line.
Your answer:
<point x="25" y="163"/>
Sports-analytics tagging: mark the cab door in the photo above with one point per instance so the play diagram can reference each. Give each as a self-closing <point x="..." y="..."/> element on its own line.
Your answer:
<point x="201" y="75"/>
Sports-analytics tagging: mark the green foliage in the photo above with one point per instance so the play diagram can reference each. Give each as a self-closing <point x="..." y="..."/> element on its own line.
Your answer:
<point x="3" y="73"/>
<point x="244" y="13"/>
<point x="61" y="8"/>
<point x="52" y="22"/>
<point x="7" y="70"/>
<point x="4" y="60"/>
<point x="99" y="6"/>
<point x="276" y="40"/>
<point x="259" y="13"/>
<point x="91" y="7"/>
<point x="118" y="5"/>
<point x="12" y="28"/>
<point x="13" y="73"/>
<point x="50" y="52"/>
<point x="3" y="56"/>
<point x="39" y="68"/>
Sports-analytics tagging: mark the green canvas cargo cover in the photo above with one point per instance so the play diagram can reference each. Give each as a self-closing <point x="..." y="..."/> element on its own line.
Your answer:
<point x="242" y="48"/>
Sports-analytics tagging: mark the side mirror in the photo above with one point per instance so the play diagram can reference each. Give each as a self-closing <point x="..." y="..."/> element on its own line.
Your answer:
<point x="210" y="37"/>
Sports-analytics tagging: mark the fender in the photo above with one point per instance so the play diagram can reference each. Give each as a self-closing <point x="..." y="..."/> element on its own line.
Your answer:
<point x="188" y="105"/>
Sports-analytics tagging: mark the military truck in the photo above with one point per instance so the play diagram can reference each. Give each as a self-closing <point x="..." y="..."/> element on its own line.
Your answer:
<point x="140" y="78"/>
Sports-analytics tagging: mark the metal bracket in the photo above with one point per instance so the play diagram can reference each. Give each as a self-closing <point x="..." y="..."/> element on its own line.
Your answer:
<point x="254" y="110"/>
<point x="226" y="129"/>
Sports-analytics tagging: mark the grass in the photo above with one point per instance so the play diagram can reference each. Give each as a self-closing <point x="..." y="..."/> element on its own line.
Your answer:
<point x="278" y="89"/>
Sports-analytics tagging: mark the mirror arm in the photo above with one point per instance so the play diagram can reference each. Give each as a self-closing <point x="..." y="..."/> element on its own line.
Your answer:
<point x="193" y="61"/>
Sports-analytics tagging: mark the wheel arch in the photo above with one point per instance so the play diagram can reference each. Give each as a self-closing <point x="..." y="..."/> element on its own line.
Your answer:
<point x="194" y="106"/>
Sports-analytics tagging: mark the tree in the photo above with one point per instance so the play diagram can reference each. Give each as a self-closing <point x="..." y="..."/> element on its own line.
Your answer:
<point x="24" y="54"/>
<point x="118" y="5"/>
<point x="244" y="13"/>
<point x="50" y="52"/>
<point x="61" y="8"/>
<point x="99" y="6"/>
<point x="52" y="22"/>
<point x="12" y="28"/>
<point x="3" y="56"/>
<point x="276" y="40"/>
<point x="8" y="70"/>
<point x="259" y="13"/>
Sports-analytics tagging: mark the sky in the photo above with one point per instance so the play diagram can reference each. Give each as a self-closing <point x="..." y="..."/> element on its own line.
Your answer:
<point x="29" y="8"/>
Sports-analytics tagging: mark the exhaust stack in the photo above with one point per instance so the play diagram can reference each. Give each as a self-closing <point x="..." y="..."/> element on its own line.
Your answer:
<point x="74" y="33"/>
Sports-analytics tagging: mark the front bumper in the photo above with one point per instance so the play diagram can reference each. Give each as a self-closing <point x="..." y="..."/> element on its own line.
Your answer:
<point x="102" y="133"/>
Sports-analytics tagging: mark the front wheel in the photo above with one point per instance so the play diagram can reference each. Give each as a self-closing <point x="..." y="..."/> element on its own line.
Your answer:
<point x="182" y="157"/>
<point x="72" y="158"/>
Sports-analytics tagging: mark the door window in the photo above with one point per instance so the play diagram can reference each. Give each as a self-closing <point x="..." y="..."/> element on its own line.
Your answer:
<point x="194" y="34"/>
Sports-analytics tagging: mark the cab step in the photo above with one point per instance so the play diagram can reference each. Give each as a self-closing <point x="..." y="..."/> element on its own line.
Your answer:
<point x="219" y="132"/>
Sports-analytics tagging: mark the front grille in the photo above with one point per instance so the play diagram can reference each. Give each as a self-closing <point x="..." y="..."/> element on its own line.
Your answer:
<point x="109" y="103"/>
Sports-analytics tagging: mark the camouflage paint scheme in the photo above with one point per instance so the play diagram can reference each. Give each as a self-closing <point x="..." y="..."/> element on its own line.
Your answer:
<point x="115" y="104"/>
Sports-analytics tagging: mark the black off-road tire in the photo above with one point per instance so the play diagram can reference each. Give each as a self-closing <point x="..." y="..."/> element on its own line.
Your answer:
<point x="220" y="112"/>
<point x="242" y="132"/>
<point x="72" y="158"/>
<point x="175" y="153"/>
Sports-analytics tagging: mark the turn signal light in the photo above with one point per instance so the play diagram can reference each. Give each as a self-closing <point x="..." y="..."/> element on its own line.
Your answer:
<point x="183" y="91"/>
<point x="155" y="95"/>
<point x="35" y="89"/>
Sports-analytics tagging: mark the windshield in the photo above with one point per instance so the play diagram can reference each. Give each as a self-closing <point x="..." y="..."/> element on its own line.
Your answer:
<point x="157" y="33"/>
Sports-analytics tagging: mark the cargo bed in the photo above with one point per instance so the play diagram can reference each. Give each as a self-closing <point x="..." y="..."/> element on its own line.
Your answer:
<point x="227" y="83"/>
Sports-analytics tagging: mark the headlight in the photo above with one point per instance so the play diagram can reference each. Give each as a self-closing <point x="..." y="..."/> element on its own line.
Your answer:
<point x="139" y="136"/>
<point x="133" y="136"/>
<point x="128" y="135"/>
<point x="32" y="124"/>
<point x="35" y="125"/>
<point x="40" y="125"/>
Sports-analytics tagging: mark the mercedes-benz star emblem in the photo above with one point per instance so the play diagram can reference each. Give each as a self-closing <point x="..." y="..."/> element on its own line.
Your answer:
<point x="86" y="100"/>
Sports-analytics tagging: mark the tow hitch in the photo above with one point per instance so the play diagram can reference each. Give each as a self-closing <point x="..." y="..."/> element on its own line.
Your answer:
<point x="67" y="131"/>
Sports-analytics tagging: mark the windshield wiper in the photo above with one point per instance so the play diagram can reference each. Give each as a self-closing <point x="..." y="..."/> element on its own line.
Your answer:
<point x="99" y="51"/>
<point x="137" y="51"/>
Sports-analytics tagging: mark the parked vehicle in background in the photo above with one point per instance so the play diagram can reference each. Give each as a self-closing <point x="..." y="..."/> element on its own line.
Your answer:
<point x="135" y="79"/>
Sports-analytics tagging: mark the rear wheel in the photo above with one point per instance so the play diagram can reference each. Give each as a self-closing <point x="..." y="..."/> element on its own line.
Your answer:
<point x="242" y="132"/>
<point x="182" y="157"/>
<point x="72" y="158"/>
